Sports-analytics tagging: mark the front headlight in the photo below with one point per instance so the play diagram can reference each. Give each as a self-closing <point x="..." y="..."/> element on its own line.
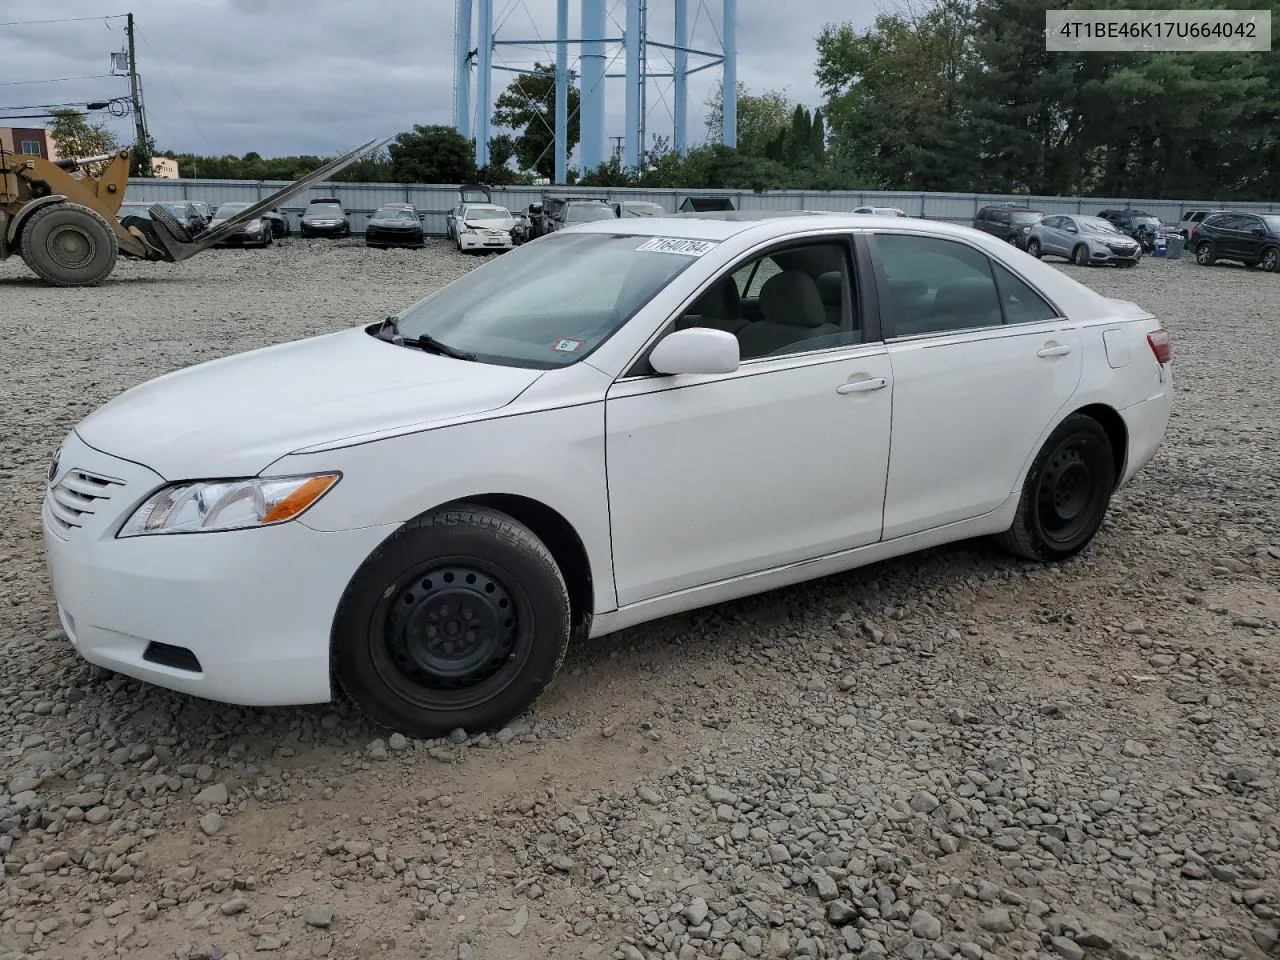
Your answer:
<point x="253" y="226"/>
<point x="205" y="506"/>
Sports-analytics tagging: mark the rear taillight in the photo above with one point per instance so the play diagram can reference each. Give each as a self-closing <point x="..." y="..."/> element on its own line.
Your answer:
<point x="1158" y="340"/>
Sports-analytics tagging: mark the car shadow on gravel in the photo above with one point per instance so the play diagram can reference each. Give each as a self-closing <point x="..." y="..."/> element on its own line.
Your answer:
<point x="107" y="284"/>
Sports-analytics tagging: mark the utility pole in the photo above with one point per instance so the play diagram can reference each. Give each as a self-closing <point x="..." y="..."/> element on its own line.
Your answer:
<point x="141" y="160"/>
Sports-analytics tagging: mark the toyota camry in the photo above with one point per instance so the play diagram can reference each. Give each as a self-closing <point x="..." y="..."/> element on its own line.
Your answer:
<point x="613" y="423"/>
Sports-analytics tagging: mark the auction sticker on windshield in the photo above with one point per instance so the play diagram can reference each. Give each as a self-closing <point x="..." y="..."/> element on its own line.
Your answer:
<point x="689" y="248"/>
<point x="568" y="346"/>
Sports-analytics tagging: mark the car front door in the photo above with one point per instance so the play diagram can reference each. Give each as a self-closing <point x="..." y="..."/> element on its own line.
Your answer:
<point x="1051" y="235"/>
<point x="781" y="461"/>
<point x="982" y="364"/>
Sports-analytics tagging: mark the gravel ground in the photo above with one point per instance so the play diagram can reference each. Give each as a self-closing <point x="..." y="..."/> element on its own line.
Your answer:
<point x="950" y="755"/>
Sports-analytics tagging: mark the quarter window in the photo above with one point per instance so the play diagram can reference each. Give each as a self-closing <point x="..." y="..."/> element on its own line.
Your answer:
<point x="1021" y="304"/>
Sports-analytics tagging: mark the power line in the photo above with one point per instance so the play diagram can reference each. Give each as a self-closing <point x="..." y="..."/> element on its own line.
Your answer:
<point x="175" y="90"/>
<point x="19" y="23"/>
<point x="17" y="83"/>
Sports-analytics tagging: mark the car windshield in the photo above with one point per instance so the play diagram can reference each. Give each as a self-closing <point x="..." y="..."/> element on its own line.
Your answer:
<point x="135" y="210"/>
<point x="583" y="212"/>
<point x="642" y="210"/>
<point x="486" y="211"/>
<point x="227" y="210"/>
<point x="1096" y="225"/>
<point x="329" y="209"/>
<point x="548" y="303"/>
<point x="1025" y="217"/>
<point x="394" y="213"/>
<point x="1272" y="222"/>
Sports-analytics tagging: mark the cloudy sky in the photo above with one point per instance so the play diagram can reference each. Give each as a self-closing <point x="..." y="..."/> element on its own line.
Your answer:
<point x="321" y="76"/>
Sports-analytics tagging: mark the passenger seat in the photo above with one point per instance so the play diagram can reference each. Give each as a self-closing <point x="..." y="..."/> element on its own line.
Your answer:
<point x="792" y="307"/>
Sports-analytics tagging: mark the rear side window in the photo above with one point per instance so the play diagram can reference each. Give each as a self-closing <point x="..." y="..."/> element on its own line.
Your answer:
<point x="1021" y="304"/>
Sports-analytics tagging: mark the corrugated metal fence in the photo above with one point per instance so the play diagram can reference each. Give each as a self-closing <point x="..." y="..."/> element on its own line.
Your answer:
<point x="434" y="201"/>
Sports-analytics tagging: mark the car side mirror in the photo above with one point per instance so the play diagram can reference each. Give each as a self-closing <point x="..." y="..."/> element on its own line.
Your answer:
<point x="696" y="350"/>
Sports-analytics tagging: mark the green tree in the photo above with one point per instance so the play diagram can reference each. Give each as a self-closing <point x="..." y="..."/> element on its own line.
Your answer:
<point x="893" y="94"/>
<point x="527" y="107"/>
<point x="74" y="136"/>
<point x="761" y="117"/>
<point x="432" y="154"/>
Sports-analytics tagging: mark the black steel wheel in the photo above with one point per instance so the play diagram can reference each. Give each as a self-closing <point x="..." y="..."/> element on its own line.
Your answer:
<point x="1066" y="494"/>
<point x="69" y="245"/>
<point x="461" y="619"/>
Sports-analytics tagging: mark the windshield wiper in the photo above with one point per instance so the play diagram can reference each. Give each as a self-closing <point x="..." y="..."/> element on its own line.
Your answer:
<point x="390" y="332"/>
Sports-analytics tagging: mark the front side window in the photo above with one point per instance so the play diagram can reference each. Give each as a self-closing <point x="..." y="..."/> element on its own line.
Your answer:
<point x="999" y="216"/>
<point x="549" y="303"/>
<point x="936" y="285"/>
<point x="788" y="301"/>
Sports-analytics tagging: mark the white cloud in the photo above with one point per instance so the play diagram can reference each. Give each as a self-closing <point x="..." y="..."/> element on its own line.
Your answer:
<point x="281" y="77"/>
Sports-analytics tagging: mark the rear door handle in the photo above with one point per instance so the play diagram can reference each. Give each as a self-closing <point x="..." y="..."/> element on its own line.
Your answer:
<point x="862" y="386"/>
<point x="1056" y="350"/>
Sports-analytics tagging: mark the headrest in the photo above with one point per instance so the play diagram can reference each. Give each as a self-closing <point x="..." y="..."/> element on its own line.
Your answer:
<point x="831" y="288"/>
<point x="792" y="298"/>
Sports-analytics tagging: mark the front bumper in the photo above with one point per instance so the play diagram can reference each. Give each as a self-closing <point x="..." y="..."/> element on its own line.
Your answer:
<point x="245" y="239"/>
<point x="394" y="238"/>
<point x="254" y="607"/>
<point x="1107" y="255"/>
<point x="484" y="241"/>
<point x="324" y="230"/>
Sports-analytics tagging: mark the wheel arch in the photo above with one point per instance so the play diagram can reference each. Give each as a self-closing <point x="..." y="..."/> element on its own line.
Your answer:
<point x="23" y="215"/>
<point x="1117" y="433"/>
<point x="560" y="537"/>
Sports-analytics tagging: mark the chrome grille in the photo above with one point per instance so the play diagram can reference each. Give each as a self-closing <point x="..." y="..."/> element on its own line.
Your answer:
<point x="77" y="496"/>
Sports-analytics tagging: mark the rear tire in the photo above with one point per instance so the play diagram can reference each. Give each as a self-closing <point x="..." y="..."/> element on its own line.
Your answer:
<point x="1204" y="254"/>
<point x="1066" y="494"/>
<point x="1080" y="256"/>
<point x="69" y="245"/>
<point x="460" y="619"/>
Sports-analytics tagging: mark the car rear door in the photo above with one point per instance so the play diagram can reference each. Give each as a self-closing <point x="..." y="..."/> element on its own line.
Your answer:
<point x="982" y="364"/>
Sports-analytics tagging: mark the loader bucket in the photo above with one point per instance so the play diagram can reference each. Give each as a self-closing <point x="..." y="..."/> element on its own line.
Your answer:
<point x="179" y="249"/>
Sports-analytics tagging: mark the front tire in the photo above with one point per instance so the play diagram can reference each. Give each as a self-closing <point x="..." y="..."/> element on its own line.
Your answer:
<point x="1080" y="256"/>
<point x="1066" y="494"/>
<point x="1270" y="261"/>
<point x="69" y="245"/>
<point x="1033" y="248"/>
<point x="461" y="619"/>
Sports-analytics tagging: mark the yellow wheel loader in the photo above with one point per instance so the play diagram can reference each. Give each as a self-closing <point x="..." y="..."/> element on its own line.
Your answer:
<point x="67" y="227"/>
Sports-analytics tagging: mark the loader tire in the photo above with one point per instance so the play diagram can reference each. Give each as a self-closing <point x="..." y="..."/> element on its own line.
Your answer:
<point x="171" y="223"/>
<point x="69" y="245"/>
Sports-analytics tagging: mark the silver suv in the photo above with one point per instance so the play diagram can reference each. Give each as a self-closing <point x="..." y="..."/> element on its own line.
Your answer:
<point x="1083" y="241"/>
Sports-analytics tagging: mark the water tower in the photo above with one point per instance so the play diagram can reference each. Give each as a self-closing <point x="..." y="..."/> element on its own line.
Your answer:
<point x="479" y="54"/>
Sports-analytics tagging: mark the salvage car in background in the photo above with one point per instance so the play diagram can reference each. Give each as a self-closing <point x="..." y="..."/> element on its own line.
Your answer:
<point x="395" y="225"/>
<point x="881" y="211"/>
<point x="1008" y="222"/>
<point x="279" y="223"/>
<point x="1249" y="238"/>
<point x="484" y="226"/>
<point x="1083" y="240"/>
<point x="325" y="217"/>
<point x="1144" y="227"/>
<point x="255" y="232"/>
<point x="564" y="442"/>
<point x="637" y="208"/>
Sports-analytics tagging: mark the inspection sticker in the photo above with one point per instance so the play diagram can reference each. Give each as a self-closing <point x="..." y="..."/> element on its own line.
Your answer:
<point x="689" y="248"/>
<point x="568" y="346"/>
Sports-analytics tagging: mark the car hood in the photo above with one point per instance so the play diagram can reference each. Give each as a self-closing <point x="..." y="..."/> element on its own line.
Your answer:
<point x="395" y="222"/>
<point x="216" y="221"/>
<point x="236" y="415"/>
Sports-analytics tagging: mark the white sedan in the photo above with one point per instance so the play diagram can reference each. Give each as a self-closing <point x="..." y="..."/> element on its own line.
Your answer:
<point x="610" y="424"/>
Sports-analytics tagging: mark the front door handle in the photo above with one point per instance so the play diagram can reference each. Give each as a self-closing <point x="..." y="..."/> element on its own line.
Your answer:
<point x="1056" y="350"/>
<point x="862" y="386"/>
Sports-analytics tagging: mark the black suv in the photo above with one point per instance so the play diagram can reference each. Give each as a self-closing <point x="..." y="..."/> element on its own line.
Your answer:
<point x="1142" y="226"/>
<point x="1249" y="238"/>
<point x="1011" y="224"/>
